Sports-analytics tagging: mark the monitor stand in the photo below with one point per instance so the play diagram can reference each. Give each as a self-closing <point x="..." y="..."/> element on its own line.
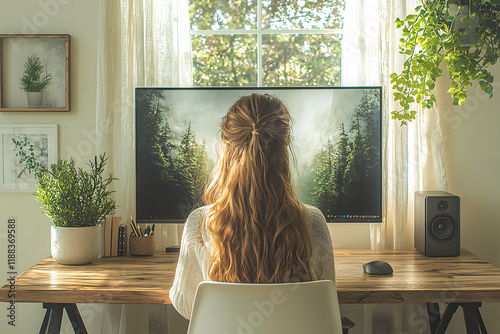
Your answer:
<point x="173" y="249"/>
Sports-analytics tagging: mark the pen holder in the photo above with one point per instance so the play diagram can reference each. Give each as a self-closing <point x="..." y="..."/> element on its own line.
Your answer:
<point x="141" y="245"/>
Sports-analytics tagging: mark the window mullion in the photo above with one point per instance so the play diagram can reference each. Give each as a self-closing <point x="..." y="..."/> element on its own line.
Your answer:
<point x="270" y="32"/>
<point x="259" y="43"/>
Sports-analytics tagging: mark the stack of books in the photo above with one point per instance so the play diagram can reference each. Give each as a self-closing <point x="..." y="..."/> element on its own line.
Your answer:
<point x="114" y="237"/>
<point x="122" y="240"/>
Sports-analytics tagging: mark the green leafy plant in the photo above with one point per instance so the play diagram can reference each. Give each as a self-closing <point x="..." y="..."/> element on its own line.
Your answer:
<point x="25" y="150"/>
<point x="75" y="197"/>
<point x="435" y="33"/>
<point x="33" y="79"/>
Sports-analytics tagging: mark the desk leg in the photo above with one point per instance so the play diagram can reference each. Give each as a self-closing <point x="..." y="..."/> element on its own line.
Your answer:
<point x="76" y="319"/>
<point x="473" y="321"/>
<point x="434" y="316"/>
<point x="470" y="317"/>
<point x="445" y="321"/>
<point x="53" y="317"/>
<point x="481" y="322"/>
<point x="52" y="321"/>
<point x="45" y="321"/>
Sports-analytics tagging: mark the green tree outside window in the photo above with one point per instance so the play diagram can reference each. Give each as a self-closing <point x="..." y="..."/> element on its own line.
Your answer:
<point x="266" y="42"/>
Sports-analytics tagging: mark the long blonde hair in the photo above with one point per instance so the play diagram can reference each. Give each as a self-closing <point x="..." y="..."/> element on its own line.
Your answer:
<point x="256" y="223"/>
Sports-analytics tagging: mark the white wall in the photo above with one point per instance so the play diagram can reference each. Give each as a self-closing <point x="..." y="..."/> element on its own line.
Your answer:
<point x="79" y="19"/>
<point x="472" y="142"/>
<point x="472" y="156"/>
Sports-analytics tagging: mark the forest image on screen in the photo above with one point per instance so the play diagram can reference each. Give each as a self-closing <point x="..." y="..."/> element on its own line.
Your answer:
<point x="336" y="136"/>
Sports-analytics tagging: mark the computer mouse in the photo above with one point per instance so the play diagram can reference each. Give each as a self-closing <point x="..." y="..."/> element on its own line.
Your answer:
<point x="377" y="268"/>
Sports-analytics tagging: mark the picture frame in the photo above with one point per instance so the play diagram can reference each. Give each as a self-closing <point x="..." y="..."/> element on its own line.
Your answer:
<point x="22" y="146"/>
<point x="53" y="53"/>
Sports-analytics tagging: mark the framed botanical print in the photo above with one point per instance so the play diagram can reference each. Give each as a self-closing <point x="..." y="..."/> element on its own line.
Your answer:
<point x="25" y="149"/>
<point x="34" y="72"/>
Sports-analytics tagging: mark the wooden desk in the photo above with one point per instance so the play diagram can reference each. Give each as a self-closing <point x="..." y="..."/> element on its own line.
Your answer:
<point x="113" y="280"/>
<point x="147" y="280"/>
<point x="416" y="278"/>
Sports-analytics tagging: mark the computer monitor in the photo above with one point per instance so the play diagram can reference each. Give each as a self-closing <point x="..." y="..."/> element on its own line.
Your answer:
<point x="336" y="138"/>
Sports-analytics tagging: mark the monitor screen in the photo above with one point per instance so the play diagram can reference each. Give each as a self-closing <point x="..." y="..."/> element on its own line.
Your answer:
<point x="336" y="139"/>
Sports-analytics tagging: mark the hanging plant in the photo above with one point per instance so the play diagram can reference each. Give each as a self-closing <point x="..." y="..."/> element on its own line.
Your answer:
<point x="436" y="32"/>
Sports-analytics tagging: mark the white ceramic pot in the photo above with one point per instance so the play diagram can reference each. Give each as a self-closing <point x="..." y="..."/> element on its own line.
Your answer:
<point x="75" y="245"/>
<point x="34" y="99"/>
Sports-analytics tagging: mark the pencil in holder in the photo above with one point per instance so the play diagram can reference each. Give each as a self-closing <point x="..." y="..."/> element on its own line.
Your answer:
<point x="141" y="245"/>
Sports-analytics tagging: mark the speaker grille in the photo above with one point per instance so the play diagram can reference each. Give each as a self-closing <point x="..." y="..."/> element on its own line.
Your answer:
<point x="442" y="227"/>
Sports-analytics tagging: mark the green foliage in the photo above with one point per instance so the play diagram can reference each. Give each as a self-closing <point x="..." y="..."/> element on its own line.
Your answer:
<point x="345" y="170"/>
<point x="276" y="14"/>
<point x="25" y="151"/>
<point x="191" y="166"/>
<point x="181" y="161"/>
<point x="301" y="60"/>
<point x="74" y="197"/>
<point x="224" y="60"/>
<point x="435" y="33"/>
<point x="293" y="14"/>
<point x="287" y="59"/>
<point x="323" y="191"/>
<point x="33" y="80"/>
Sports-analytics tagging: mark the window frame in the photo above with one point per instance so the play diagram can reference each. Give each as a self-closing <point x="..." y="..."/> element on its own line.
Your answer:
<point x="259" y="32"/>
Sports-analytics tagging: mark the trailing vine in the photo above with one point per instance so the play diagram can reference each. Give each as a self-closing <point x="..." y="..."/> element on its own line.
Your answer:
<point x="435" y="33"/>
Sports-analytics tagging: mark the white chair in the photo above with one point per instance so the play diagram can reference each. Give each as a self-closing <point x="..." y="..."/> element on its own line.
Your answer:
<point x="242" y="308"/>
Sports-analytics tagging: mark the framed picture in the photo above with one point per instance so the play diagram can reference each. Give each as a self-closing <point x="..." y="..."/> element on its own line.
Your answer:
<point x="23" y="149"/>
<point x="34" y="72"/>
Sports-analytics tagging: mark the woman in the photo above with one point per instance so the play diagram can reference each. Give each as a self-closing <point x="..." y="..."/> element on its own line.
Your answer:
<point x="252" y="229"/>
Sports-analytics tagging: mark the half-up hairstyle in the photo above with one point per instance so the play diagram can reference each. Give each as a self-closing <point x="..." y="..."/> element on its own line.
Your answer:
<point x="256" y="223"/>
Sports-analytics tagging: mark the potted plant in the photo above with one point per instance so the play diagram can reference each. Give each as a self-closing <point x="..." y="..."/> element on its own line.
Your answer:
<point x="76" y="200"/>
<point x="33" y="81"/>
<point x="437" y="31"/>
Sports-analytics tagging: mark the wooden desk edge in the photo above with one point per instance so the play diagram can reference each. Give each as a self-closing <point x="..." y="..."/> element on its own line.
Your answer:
<point x="85" y="292"/>
<point x="160" y="295"/>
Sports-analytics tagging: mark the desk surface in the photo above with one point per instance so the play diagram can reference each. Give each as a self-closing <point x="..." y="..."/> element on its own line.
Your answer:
<point x="147" y="280"/>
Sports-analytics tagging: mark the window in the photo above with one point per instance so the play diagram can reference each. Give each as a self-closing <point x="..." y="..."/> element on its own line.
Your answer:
<point x="266" y="42"/>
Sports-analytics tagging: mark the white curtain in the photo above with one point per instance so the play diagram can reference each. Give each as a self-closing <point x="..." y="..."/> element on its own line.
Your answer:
<point x="412" y="154"/>
<point x="141" y="43"/>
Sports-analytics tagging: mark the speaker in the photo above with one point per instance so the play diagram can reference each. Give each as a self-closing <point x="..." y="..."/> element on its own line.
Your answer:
<point x="437" y="223"/>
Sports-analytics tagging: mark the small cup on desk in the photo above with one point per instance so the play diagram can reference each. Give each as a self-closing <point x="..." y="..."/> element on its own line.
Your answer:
<point x="141" y="245"/>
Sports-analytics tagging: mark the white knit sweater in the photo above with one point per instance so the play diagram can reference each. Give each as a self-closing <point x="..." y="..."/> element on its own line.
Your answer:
<point x="194" y="257"/>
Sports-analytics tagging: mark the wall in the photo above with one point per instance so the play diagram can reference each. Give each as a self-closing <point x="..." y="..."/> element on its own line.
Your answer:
<point x="471" y="134"/>
<point x="79" y="19"/>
